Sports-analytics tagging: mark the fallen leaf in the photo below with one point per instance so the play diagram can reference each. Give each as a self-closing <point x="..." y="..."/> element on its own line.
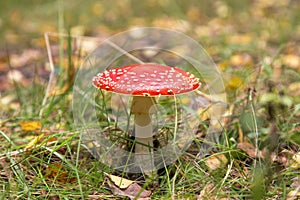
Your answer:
<point x="57" y="172"/>
<point x="294" y="89"/>
<point x="133" y="191"/>
<point x="293" y="194"/>
<point x="291" y="60"/>
<point x="47" y="134"/>
<point x="206" y="191"/>
<point x="97" y="9"/>
<point x="250" y="150"/>
<point x="241" y="134"/>
<point x="167" y="22"/>
<point x="296" y="161"/>
<point x="120" y="181"/>
<point x="34" y="142"/>
<point x="30" y="126"/>
<point x="241" y="59"/>
<point x="240" y="39"/>
<point x="295" y="186"/>
<point x="216" y="161"/>
<point x="27" y="56"/>
<point x="283" y="157"/>
<point x="295" y="182"/>
<point x="194" y="14"/>
<point x="7" y="102"/>
<point x="235" y="82"/>
<point x="209" y="193"/>
<point x="15" y="76"/>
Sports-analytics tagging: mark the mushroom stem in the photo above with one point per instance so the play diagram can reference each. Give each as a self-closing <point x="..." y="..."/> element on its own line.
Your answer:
<point x="143" y="133"/>
<point x="142" y="108"/>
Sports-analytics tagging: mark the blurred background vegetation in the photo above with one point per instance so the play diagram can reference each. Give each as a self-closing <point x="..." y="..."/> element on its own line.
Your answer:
<point x="267" y="20"/>
<point x="255" y="43"/>
<point x="235" y="33"/>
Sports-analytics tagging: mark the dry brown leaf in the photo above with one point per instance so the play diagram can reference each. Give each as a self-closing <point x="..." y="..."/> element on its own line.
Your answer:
<point x="27" y="56"/>
<point x="283" y="157"/>
<point x="30" y="126"/>
<point x="3" y="64"/>
<point x="295" y="182"/>
<point x="241" y="134"/>
<point x="250" y="150"/>
<point x="133" y="191"/>
<point x="47" y="134"/>
<point x="294" y="194"/>
<point x="120" y="181"/>
<point x="57" y="172"/>
<point x="296" y="161"/>
<point x="208" y="193"/>
<point x="216" y="161"/>
<point x="204" y="194"/>
<point x="194" y="14"/>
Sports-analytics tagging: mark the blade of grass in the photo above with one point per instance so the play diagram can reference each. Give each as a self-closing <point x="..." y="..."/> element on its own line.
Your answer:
<point x="8" y="139"/>
<point x="52" y="73"/>
<point x="19" y="174"/>
<point x="76" y="165"/>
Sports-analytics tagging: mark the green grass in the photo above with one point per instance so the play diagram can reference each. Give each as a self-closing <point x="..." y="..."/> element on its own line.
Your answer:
<point x="59" y="167"/>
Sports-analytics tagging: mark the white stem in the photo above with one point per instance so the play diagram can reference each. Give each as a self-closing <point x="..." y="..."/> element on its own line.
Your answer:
<point x="142" y="107"/>
<point x="143" y="134"/>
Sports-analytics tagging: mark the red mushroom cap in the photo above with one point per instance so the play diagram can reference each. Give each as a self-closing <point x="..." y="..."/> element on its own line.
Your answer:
<point x="146" y="80"/>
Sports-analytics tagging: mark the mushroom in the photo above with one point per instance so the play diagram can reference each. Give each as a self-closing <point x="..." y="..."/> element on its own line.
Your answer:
<point x="145" y="82"/>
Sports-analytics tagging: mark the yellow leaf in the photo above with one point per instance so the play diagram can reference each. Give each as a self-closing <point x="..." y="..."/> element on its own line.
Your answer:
<point x="235" y="82"/>
<point x="97" y="9"/>
<point x="223" y="65"/>
<point x="294" y="88"/>
<point x="294" y="194"/>
<point x="241" y="59"/>
<point x="35" y="141"/>
<point x="241" y="39"/>
<point x="30" y="126"/>
<point x="119" y="181"/>
<point x="291" y="60"/>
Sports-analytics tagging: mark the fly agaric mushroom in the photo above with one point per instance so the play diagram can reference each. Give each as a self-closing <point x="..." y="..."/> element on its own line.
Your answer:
<point x="144" y="82"/>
